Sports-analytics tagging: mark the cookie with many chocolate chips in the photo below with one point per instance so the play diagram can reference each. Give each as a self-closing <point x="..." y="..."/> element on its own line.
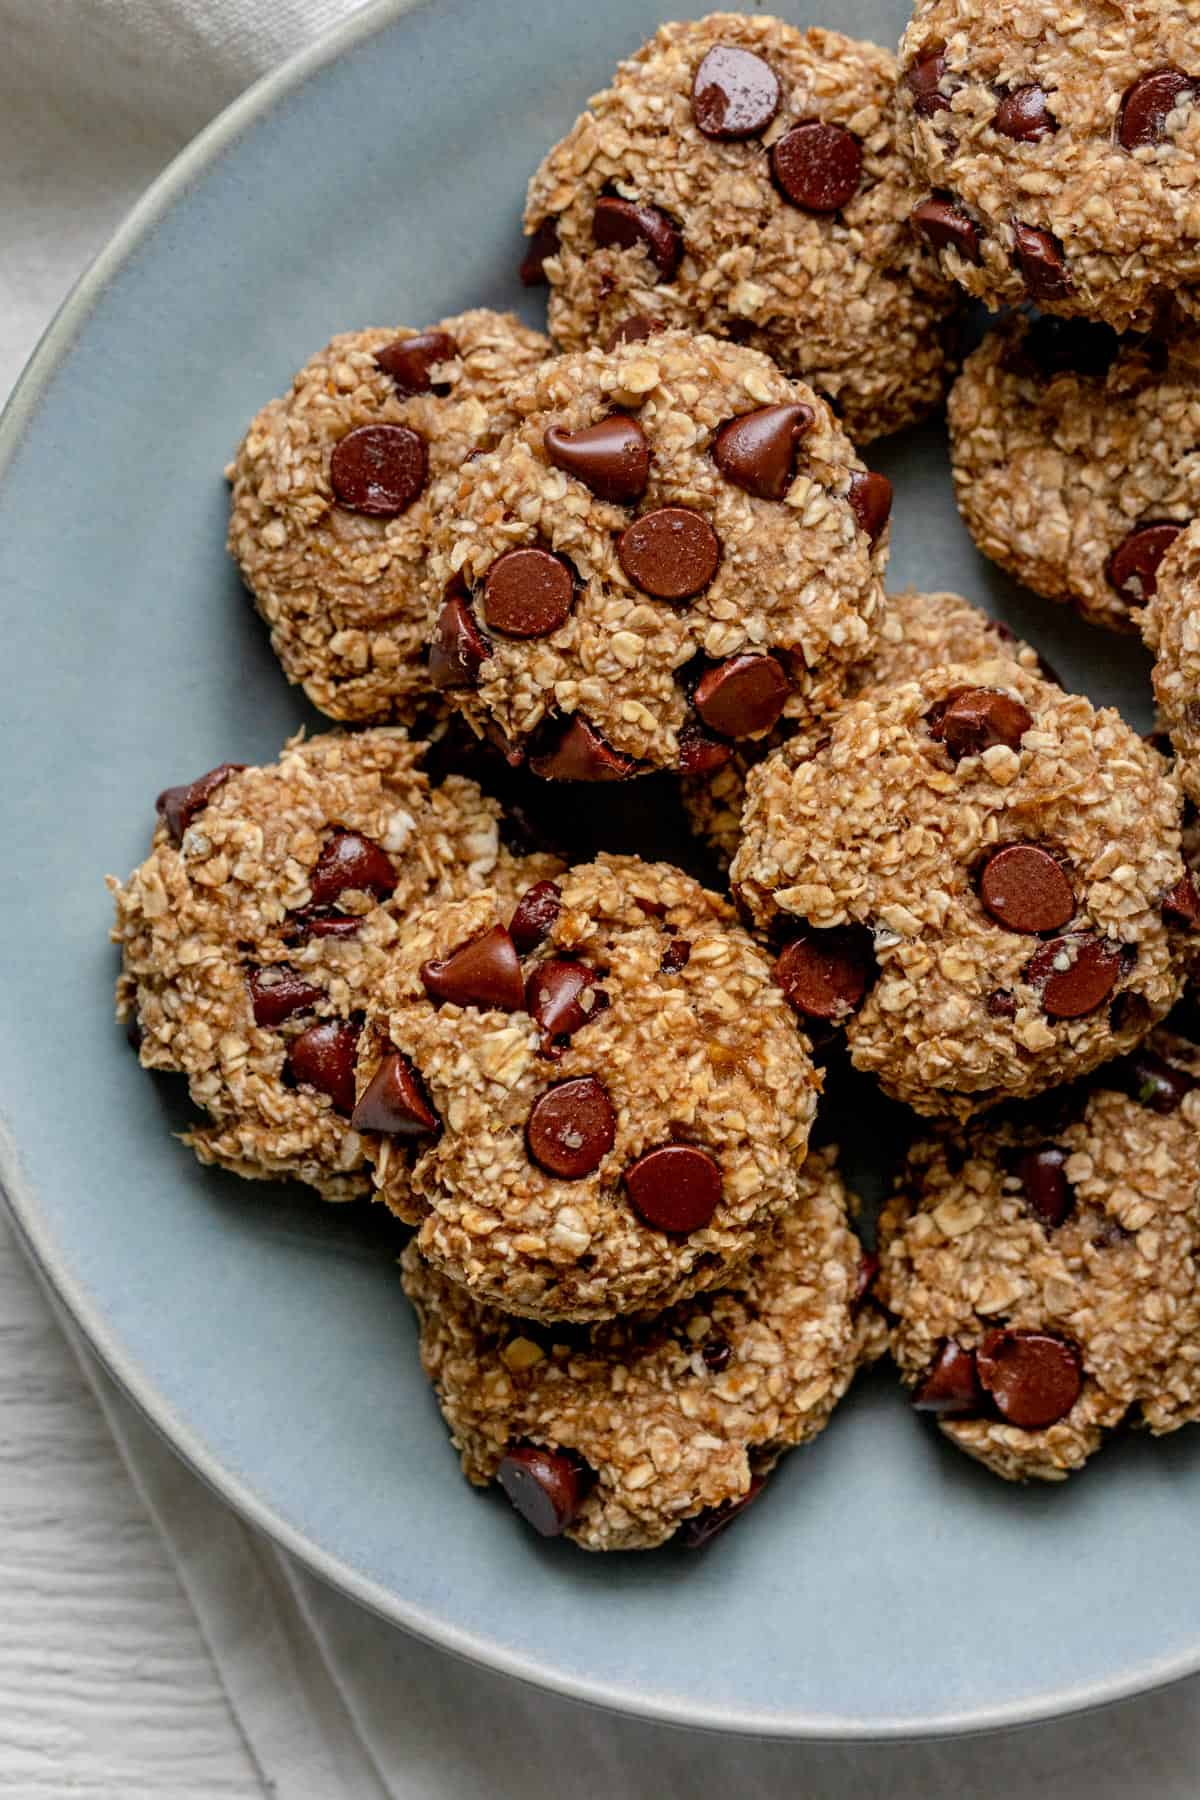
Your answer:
<point x="589" y="1105"/>
<point x="254" y="930"/>
<point x="1076" y="458"/>
<point x="972" y="874"/>
<point x="1044" y="1273"/>
<point x="916" y="632"/>
<point x="675" y="547"/>
<point x="742" y="178"/>
<point x="1171" y="627"/>
<point x="333" y="491"/>
<point x="1060" y="151"/>
<point x="629" y="1433"/>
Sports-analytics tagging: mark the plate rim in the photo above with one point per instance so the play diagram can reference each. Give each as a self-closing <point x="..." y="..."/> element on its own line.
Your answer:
<point x="38" y="1239"/>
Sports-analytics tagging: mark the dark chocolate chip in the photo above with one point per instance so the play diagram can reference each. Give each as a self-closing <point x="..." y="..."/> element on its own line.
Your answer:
<point x="572" y="1127"/>
<point x="1074" y="974"/>
<point x="742" y="696"/>
<point x="323" y="1057"/>
<point x="547" y="1487"/>
<point x="947" y="227"/>
<point x="699" y="752"/>
<point x="278" y="991"/>
<point x="1133" y="566"/>
<point x="1001" y="1004"/>
<point x="611" y="458"/>
<point x="704" y="1526"/>
<point x="410" y="360"/>
<point x="1026" y="888"/>
<point x="581" y="754"/>
<point x="675" y="957"/>
<point x="951" y="1387"/>
<point x="634" y="330"/>
<point x="757" y="450"/>
<point x="626" y="224"/>
<point x="1152" y="1081"/>
<point x="671" y="553"/>
<point x="459" y="649"/>
<point x="561" y="996"/>
<point x="923" y="81"/>
<point x="312" y="922"/>
<point x="350" y="860"/>
<point x="676" y="1187"/>
<point x="1025" y="114"/>
<point x="735" y="94"/>
<point x="1033" y="1377"/>
<point x="1148" y="102"/>
<point x="870" y="499"/>
<point x="1182" y="904"/>
<point x="1042" y="263"/>
<point x="394" y="1102"/>
<point x="542" y="243"/>
<point x="977" y="719"/>
<point x="534" y="917"/>
<point x="486" y="973"/>
<point x="1043" y="1177"/>
<point x="378" y="469"/>
<point x="717" y="1354"/>
<point x="826" y="974"/>
<point x="528" y="592"/>
<point x="178" y="806"/>
<point x="817" y="166"/>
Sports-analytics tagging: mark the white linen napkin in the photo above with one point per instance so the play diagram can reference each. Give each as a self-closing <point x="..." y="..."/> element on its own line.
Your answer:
<point x="95" y="96"/>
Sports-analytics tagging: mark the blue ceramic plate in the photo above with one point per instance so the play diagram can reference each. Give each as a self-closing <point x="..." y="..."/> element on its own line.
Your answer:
<point x="885" y="1586"/>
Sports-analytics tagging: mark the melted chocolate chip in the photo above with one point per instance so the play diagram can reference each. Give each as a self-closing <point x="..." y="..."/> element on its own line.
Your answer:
<point x="178" y="806"/>
<point x="1033" y="1377"/>
<point x="1147" y="104"/>
<point x="351" y="861"/>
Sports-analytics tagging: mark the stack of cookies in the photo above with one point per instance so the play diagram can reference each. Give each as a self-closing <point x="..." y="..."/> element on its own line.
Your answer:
<point x="407" y="961"/>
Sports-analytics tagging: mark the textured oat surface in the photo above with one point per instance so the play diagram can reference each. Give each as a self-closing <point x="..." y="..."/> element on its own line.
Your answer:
<point x="343" y="592"/>
<point x="880" y="827"/>
<point x="916" y="632"/>
<point x="1171" y="625"/>
<point x="1054" y="466"/>
<point x="709" y="1054"/>
<point x="851" y="301"/>
<point x="797" y="578"/>
<point x="197" y="918"/>
<point x="666" y="1435"/>
<point x="962" y="1253"/>
<point x="1127" y="221"/>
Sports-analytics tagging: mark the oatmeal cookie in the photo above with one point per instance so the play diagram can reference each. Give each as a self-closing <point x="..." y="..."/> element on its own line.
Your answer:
<point x="252" y="933"/>
<point x="742" y="178"/>
<point x="1044" y="1273"/>
<point x="674" y="547"/>
<point x="1060" y="150"/>
<point x="1171" y="627"/>
<point x="592" y="1106"/>
<point x="1076" y="458"/>
<point x="333" y="496"/>
<point x="971" y="873"/>
<point x="916" y="632"/>
<point x="622" y="1435"/>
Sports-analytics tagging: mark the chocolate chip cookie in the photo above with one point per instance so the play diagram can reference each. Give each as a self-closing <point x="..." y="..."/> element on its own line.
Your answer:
<point x="972" y="875"/>
<point x="1044" y="1274"/>
<point x="675" y="547"/>
<point x="1171" y="627"/>
<point x="742" y="178"/>
<point x="252" y="933"/>
<point x="592" y="1104"/>
<point x="625" y="1434"/>
<point x="333" y="498"/>
<point x="1076" y="458"/>
<point x="1060" y="151"/>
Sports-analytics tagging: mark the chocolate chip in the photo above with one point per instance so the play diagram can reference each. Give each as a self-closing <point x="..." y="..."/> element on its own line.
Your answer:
<point x="702" y="1527"/>
<point x="977" y="719"/>
<point x="625" y="224"/>
<point x="1025" y="115"/>
<point x="675" y="957"/>
<point x="571" y="1128"/>
<point x="1033" y="1377"/>
<point x="395" y="1102"/>
<point x="947" y="227"/>
<point x="1041" y="261"/>
<point x="1001" y="1004"/>
<point x="547" y="1487"/>
<point x="868" y="1269"/>
<point x="634" y="330"/>
<point x="534" y="916"/>
<point x="1182" y="904"/>
<point x="699" y="752"/>
<point x="178" y="806"/>
<point x="560" y="997"/>
<point x="951" y="1387"/>
<point x="1133" y="566"/>
<point x="410" y="360"/>
<point x="923" y="80"/>
<point x="674" y="1188"/>
<point x="817" y="166"/>
<point x="870" y="498"/>
<point x="1026" y="888"/>
<point x="459" y="649"/>
<point x="826" y="974"/>
<point x="323" y="1057"/>
<point x="611" y="458"/>
<point x="350" y="860"/>
<point x="528" y="592"/>
<point x="1147" y="103"/>
<point x="312" y="922"/>
<point x="735" y="93"/>
<point x="278" y="991"/>
<point x="716" y="1353"/>
<point x="671" y="553"/>
<point x="378" y="469"/>
<point x="1043" y="1177"/>
<point x="543" y="243"/>
<point x="1074" y="974"/>
<point x="742" y="696"/>
<point x="485" y="973"/>
<point x="1152" y="1081"/>
<point x="757" y="450"/>
<point x="581" y="754"/>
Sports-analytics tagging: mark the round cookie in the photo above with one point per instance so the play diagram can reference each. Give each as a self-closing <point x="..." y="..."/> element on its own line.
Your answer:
<point x="742" y="178"/>
<point x="631" y="1432"/>
<point x="1043" y="1274"/>
<point x="1076" y="458"/>
<point x="253" y="931"/>
<point x="333" y="491"/>
<point x="971" y="874"/>
<point x="593" y="1106"/>
<point x="1060" y="152"/>
<point x="916" y="632"/>
<point x="1171" y="627"/>
<point x="676" y="546"/>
